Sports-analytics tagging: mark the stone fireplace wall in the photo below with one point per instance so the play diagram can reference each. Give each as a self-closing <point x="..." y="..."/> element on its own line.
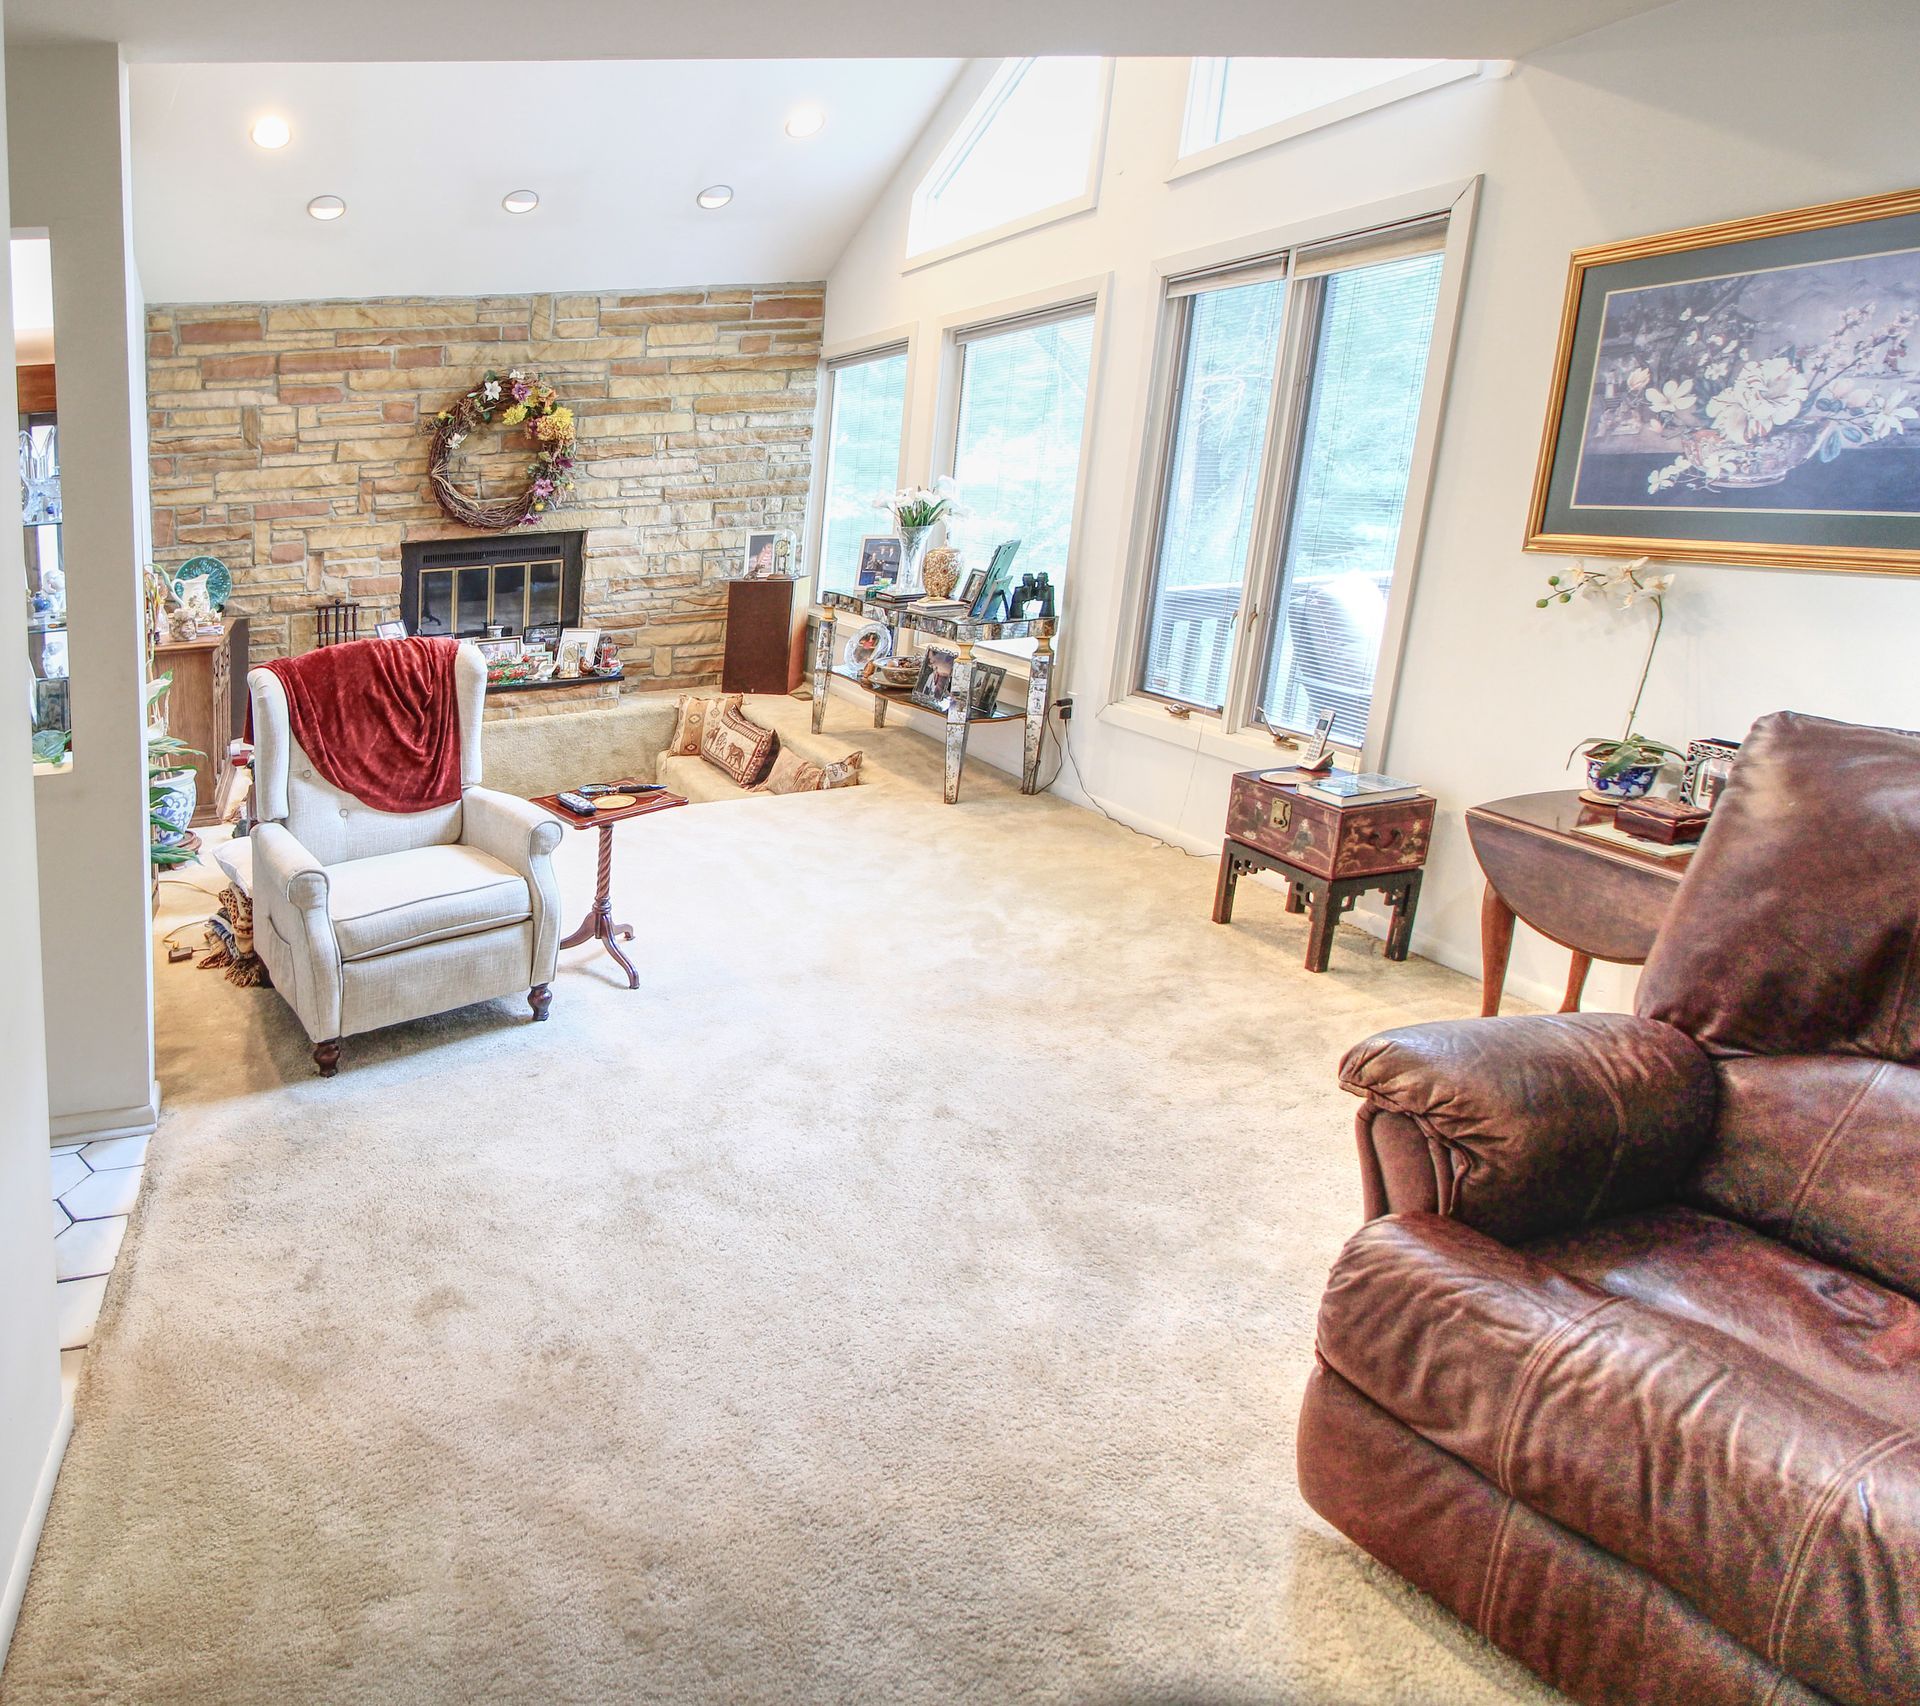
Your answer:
<point x="288" y="441"/>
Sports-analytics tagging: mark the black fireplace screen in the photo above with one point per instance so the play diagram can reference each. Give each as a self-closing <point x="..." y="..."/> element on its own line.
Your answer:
<point x="466" y="586"/>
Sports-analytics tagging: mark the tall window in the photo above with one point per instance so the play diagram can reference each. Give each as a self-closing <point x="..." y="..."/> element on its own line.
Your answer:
<point x="1371" y="328"/>
<point x="866" y="407"/>
<point x="1229" y="342"/>
<point x="1282" y="480"/>
<point x="1024" y="149"/>
<point x="1016" y="442"/>
<point x="1232" y="98"/>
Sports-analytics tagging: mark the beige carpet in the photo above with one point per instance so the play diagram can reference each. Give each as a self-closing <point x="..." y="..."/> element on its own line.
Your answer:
<point x="904" y="1296"/>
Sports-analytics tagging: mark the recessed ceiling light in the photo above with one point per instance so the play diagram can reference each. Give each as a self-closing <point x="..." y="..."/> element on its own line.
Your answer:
<point x="271" y="132"/>
<point x="715" y="195"/>
<point x="808" y="120"/>
<point x="520" y="201"/>
<point x="326" y="207"/>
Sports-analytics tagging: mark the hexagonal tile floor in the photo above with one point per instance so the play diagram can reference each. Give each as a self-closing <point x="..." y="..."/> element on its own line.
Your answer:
<point x="95" y="1186"/>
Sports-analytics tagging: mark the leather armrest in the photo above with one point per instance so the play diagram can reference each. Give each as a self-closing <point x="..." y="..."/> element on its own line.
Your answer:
<point x="1529" y="1125"/>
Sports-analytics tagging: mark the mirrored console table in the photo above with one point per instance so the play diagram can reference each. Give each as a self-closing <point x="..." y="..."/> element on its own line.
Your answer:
<point x="965" y="634"/>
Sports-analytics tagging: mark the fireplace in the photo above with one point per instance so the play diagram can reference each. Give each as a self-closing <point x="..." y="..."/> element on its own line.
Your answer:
<point x="464" y="587"/>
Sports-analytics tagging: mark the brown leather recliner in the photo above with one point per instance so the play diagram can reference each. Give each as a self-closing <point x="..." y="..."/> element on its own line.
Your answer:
<point x="1625" y="1367"/>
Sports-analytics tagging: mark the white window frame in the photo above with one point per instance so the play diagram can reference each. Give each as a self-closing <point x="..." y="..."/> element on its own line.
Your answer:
<point x="835" y="357"/>
<point x="1203" y="85"/>
<point x="1235" y="732"/>
<point x="979" y="116"/>
<point x="1039" y="308"/>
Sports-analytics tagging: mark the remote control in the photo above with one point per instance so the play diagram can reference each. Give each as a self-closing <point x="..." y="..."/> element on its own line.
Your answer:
<point x="578" y="804"/>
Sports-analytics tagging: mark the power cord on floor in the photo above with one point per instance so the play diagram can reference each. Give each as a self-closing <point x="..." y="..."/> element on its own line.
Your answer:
<point x="1064" y="743"/>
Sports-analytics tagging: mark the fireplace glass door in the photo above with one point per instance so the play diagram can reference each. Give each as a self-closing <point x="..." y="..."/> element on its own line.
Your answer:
<point x="511" y="592"/>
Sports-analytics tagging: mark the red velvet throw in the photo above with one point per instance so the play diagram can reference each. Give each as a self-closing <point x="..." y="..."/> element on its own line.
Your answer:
<point x="379" y="719"/>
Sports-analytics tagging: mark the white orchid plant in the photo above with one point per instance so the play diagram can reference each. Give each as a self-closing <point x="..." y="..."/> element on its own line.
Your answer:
<point x="921" y="506"/>
<point x="1625" y="584"/>
<point x="1703" y="384"/>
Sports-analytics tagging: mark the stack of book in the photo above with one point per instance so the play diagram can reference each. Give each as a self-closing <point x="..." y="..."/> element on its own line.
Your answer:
<point x="1342" y="788"/>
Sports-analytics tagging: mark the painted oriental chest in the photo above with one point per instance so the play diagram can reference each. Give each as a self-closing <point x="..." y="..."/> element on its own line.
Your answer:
<point x="1326" y="841"/>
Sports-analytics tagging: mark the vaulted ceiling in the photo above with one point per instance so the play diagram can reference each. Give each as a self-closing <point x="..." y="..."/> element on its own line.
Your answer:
<point x="423" y="154"/>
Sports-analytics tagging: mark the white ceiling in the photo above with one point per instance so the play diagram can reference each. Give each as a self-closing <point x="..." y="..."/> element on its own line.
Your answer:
<point x="422" y="155"/>
<point x="267" y="30"/>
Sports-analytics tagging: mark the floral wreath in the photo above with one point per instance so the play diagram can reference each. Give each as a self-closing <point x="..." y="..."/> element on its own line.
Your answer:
<point x="506" y="401"/>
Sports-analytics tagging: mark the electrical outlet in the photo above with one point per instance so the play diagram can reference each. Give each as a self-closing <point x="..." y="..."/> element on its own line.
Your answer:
<point x="1065" y="708"/>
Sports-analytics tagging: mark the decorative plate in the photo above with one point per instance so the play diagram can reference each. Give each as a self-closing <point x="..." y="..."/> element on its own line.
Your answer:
<point x="219" y="582"/>
<point x="871" y="642"/>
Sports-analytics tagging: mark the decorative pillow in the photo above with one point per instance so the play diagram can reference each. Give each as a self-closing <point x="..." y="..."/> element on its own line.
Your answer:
<point x="791" y="774"/>
<point x="690" y="727"/>
<point x="738" y="745"/>
<point x="845" y="773"/>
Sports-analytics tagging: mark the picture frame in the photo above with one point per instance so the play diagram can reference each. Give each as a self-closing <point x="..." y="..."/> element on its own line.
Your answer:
<point x="972" y="587"/>
<point x="499" y="651"/>
<point x="998" y="582"/>
<point x="764" y="556"/>
<point x="541" y="634"/>
<point x="988" y="679"/>
<point x="881" y="556"/>
<point x="1741" y="392"/>
<point x="1709" y="762"/>
<point x="871" y="642"/>
<point x="395" y="630"/>
<point x="934" y="689"/>
<point x="578" y="649"/>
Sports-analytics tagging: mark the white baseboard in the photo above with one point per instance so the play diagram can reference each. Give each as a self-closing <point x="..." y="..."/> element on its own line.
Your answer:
<point x="22" y="1563"/>
<point x="94" y="1123"/>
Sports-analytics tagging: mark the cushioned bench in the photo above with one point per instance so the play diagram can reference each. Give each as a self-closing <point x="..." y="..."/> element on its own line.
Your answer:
<point x="541" y="755"/>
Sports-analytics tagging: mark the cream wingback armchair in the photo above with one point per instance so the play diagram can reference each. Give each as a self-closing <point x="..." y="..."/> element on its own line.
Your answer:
<point x="368" y="918"/>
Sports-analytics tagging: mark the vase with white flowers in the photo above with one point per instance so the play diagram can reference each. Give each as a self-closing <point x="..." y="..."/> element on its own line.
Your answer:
<point x="916" y="512"/>
<point x="1626" y="768"/>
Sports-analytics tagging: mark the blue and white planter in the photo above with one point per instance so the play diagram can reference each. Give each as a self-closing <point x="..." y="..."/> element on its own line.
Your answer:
<point x="1627" y="785"/>
<point x="176" y="791"/>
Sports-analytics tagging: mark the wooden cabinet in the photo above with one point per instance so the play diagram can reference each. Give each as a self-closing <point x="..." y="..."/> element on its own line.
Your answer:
<point x="760" y="655"/>
<point x="202" y="705"/>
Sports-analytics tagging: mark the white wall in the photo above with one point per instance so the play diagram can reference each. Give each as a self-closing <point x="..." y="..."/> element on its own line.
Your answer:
<point x="1705" y="110"/>
<point x="68" y="142"/>
<point x="32" y="1424"/>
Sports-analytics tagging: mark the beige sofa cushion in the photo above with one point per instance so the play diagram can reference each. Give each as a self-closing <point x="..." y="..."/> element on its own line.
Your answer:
<point x="696" y="716"/>
<point x="425" y="894"/>
<point x="738" y="745"/>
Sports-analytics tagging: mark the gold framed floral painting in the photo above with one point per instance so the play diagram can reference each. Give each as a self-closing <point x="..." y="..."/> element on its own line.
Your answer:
<point x="1747" y="392"/>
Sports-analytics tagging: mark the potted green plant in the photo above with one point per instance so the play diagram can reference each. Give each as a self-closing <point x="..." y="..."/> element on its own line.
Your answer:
<point x="172" y="787"/>
<point x="1627" y="767"/>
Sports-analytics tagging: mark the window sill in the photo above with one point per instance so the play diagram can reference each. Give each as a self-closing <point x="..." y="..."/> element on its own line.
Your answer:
<point x="1200" y="733"/>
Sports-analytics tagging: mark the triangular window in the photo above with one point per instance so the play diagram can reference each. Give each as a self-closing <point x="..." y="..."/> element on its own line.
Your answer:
<point x="1026" y="153"/>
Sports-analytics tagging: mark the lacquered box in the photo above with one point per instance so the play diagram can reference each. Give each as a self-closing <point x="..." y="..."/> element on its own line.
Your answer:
<point x="1329" y="841"/>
